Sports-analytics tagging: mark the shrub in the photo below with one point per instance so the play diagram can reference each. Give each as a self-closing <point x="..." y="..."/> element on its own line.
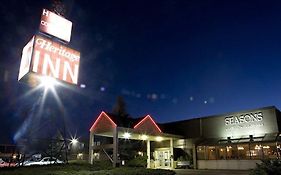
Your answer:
<point x="268" y="167"/>
<point x="139" y="161"/>
<point x="140" y="171"/>
<point x="102" y="165"/>
<point x="82" y="169"/>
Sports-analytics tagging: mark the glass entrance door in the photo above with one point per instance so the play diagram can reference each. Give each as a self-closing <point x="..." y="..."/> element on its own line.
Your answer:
<point x="162" y="159"/>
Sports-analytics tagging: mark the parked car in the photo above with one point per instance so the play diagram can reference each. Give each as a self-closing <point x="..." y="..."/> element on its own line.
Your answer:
<point x="32" y="158"/>
<point x="6" y="164"/>
<point x="26" y="162"/>
<point x="183" y="164"/>
<point x="44" y="161"/>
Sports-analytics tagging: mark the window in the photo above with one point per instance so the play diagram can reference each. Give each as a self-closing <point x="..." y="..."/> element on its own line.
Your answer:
<point x="253" y="150"/>
<point x="201" y="152"/>
<point x="231" y="152"/>
<point x="243" y="151"/>
<point x="256" y="151"/>
<point x="221" y="152"/>
<point x="211" y="152"/>
<point x="269" y="150"/>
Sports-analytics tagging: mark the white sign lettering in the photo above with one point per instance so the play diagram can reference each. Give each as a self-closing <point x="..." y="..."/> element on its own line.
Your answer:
<point x="244" y="118"/>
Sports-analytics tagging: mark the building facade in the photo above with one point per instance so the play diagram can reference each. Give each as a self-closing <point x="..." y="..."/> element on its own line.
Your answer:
<point x="230" y="141"/>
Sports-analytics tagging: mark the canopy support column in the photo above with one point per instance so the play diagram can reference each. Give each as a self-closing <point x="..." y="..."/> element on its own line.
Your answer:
<point x="172" y="152"/>
<point x="115" y="147"/>
<point x="91" y="147"/>
<point x="148" y="153"/>
<point x="194" y="156"/>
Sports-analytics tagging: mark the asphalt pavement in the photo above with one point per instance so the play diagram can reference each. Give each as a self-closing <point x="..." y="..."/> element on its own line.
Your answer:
<point x="211" y="172"/>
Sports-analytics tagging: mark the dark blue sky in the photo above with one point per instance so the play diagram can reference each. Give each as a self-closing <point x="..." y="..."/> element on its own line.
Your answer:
<point x="173" y="59"/>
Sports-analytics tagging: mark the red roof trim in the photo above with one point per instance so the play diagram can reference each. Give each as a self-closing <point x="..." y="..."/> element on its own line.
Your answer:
<point x="145" y="118"/>
<point x="99" y="117"/>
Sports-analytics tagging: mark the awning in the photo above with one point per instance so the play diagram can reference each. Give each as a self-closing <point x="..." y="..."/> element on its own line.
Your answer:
<point x="272" y="137"/>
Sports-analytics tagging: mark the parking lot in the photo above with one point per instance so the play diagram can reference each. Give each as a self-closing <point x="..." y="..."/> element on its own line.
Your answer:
<point x="211" y="172"/>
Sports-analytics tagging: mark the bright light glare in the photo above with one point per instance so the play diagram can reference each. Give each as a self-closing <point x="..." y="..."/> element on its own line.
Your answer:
<point x="126" y="135"/>
<point x="240" y="148"/>
<point x="144" y="137"/>
<point x="159" y="139"/>
<point x="74" y="141"/>
<point x="48" y="82"/>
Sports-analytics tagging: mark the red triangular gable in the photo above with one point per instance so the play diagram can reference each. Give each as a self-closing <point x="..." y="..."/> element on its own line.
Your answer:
<point x="147" y="125"/>
<point x="103" y="123"/>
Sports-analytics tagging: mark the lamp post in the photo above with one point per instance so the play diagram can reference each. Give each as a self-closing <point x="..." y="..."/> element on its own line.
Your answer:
<point x="75" y="146"/>
<point x="50" y="83"/>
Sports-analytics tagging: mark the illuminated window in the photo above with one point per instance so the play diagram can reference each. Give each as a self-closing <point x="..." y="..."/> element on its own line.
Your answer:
<point x="243" y="151"/>
<point x="231" y="152"/>
<point x="221" y="150"/>
<point x="211" y="152"/>
<point x="270" y="150"/>
<point x="256" y="151"/>
<point x="239" y="151"/>
<point x="201" y="152"/>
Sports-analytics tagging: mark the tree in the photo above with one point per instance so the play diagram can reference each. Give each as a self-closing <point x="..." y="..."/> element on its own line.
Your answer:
<point x="119" y="108"/>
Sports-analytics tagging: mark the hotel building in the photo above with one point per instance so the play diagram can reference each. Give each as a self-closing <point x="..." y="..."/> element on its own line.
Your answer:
<point x="236" y="140"/>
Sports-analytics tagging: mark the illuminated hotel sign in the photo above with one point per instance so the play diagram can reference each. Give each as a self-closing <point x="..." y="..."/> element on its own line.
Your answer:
<point x="48" y="58"/>
<point x="241" y="124"/>
<point x="244" y="118"/>
<point x="45" y="57"/>
<point x="55" y="25"/>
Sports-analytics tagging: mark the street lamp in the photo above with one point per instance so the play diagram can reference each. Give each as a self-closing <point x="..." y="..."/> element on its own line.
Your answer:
<point x="74" y="141"/>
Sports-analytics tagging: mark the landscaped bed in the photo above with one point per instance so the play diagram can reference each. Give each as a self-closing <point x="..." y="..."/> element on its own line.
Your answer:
<point x="82" y="169"/>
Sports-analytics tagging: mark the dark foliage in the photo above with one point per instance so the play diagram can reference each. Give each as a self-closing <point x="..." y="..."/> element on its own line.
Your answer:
<point x="139" y="161"/>
<point x="268" y="167"/>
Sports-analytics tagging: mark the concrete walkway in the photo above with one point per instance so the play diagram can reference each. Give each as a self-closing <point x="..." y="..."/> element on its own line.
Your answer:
<point x="211" y="172"/>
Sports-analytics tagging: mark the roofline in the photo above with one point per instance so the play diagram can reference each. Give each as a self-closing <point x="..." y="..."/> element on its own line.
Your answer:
<point x="223" y="114"/>
<point x="99" y="117"/>
<point x="148" y="116"/>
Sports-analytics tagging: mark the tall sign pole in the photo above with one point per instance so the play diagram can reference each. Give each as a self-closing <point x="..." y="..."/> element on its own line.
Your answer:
<point x="47" y="53"/>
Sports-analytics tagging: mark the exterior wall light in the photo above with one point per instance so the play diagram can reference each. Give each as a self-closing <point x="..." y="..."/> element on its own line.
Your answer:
<point x="144" y="137"/>
<point x="159" y="139"/>
<point x="127" y="135"/>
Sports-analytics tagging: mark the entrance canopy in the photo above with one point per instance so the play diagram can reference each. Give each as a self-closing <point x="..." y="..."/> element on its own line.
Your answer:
<point x="144" y="128"/>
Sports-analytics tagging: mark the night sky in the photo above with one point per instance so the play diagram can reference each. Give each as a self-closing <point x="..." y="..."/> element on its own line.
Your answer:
<point x="173" y="59"/>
